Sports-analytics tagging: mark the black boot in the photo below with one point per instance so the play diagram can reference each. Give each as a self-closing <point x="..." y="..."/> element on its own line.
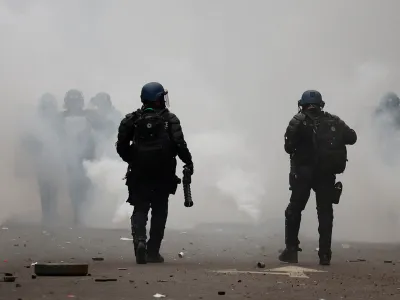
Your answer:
<point x="325" y="258"/>
<point x="154" y="257"/>
<point x="140" y="252"/>
<point x="290" y="255"/>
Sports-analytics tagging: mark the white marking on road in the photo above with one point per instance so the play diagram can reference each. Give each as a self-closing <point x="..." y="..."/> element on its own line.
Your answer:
<point x="291" y="271"/>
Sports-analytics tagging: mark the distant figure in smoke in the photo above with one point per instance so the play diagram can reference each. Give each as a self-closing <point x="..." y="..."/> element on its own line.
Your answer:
<point x="386" y="121"/>
<point x="79" y="146"/>
<point x="389" y="106"/>
<point x="105" y="120"/>
<point x="316" y="142"/>
<point x="43" y="144"/>
<point x="157" y="138"/>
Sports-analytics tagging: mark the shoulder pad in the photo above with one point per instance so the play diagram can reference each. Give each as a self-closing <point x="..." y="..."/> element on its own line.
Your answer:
<point x="300" y="116"/>
<point x="172" y="117"/>
<point x="332" y="116"/>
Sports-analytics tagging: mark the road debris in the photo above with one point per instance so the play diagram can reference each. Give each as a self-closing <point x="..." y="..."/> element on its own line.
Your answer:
<point x="122" y="269"/>
<point x="221" y="293"/>
<point x="260" y="265"/>
<point x="126" y="239"/>
<point x="181" y="254"/>
<point x="388" y="261"/>
<point x="345" y="246"/>
<point x="61" y="269"/>
<point x="357" y="260"/>
<point x="8" y="278"/>
<point x="105" y="279"/>
<point x="159" y="295"/>
<point x="97" y="258"/>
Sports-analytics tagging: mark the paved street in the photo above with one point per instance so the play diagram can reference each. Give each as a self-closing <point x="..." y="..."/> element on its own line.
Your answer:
<point x="211" y="267"/>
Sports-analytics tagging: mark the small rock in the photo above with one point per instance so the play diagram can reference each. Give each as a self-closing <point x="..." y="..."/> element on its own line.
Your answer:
<point x="260" y="265"/>
<point x="239" y="280"/>
<point x="221" y="293"/>
<point x="387" y="261"/>
<point x="18" y="285"/>
<point x="9" y="278"/>
<point x="105" y="279"/>
<point x="161" y="280"/>
<point x="97" y="258"/>
<point x="181" y="254"/>
<point x="33" y="276"/>
<point x="159" y="295"/>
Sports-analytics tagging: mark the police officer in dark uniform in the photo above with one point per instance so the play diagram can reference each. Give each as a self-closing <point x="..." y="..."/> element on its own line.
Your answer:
<point x="389" y="107"/>
<point x="149" y="140"/>
<point x="42" y="144"/>
<point x="316" y="142"/>
<point x="79" y="145"/>
<point x="104" y="118"/>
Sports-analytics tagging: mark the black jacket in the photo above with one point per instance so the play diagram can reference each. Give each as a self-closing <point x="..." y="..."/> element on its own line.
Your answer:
<point x="126" y="133"/>
<point x="299" y="136"/>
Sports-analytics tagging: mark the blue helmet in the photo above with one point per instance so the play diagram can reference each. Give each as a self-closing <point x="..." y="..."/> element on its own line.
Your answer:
<point x="311" y="97"/>
<point x="153" y="91"/>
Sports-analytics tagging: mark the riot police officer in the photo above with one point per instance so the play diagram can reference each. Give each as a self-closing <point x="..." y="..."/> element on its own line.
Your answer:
<point x="79" y="146"/>
<point x="316" y="142"/>
<point x="157" y="138"/>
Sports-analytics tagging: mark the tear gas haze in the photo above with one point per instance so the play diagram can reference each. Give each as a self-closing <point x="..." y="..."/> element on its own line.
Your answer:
<point x="234" y="71"/>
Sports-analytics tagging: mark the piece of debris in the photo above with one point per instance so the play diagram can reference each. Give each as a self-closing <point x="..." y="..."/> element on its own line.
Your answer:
<point x="122" y="269"/>
<point x="61" y="269"/>
<point x="4" y="228"/>
<point x="9" y="278"/>
<point x="260" y="265"/>
<point x="159" y="295"/>
<point x="181" y="254"/>
<point x="105" y="279"/>
<point x="28" y="266"/>
<point x="387" y="261"/>
<point x="18" y="285"/>
<point x="97" y="258"/>
<point x="345" y="246"/>
<point x="126" y="239"/>
<point x="221" y="293"/>
<point x="357" y="260"/>
<point x="33" y="276"/>
<point x="161" y="280"/>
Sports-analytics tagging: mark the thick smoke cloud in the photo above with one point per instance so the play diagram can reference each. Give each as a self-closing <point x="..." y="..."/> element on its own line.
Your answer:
<point x="234" y="70"/>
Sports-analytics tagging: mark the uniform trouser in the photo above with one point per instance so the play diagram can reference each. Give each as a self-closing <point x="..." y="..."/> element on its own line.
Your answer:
<point x="48" y="197"/>
<point x="79" y="186"/>
<point x="302" y="181"/>
<point x="158" y="202"/>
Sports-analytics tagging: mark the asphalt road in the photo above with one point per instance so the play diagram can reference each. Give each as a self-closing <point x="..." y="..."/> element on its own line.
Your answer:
<point x="194" y="276"/>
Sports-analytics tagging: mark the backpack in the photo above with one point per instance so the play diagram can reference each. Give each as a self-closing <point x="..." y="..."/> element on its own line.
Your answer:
<point x="152" y="142"/>
<point x="330" y="149"/>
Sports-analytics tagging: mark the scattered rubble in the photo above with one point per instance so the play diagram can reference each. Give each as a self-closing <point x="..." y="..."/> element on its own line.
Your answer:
<point x="105" y="279"/>
<point x="61" y="269"/>
<point x="159" y="295"/>
<point x="221" y="293"/>
<point x="260" y="265"/>
<point x="97" y="258"/>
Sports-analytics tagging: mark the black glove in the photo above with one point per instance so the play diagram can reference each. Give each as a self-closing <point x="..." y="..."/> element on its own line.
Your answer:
<point x="189" y="167"/>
